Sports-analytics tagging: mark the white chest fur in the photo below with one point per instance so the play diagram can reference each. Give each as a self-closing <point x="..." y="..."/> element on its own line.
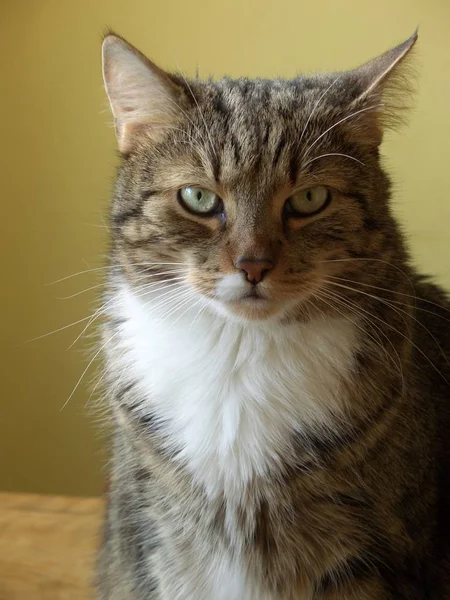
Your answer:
<point x="232" y="393"/>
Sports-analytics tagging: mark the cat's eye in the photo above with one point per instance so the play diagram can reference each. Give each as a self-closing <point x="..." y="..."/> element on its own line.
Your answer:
<point x="199" y="200"/>
<point x="311" y="201"/>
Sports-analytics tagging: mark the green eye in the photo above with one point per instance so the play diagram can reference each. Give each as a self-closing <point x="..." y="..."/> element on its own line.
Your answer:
<point x="309" y="202"/>
<point x="199" y="200"/>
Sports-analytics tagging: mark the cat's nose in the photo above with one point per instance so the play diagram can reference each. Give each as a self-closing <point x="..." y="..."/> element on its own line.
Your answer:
<point x="254" y="269"/>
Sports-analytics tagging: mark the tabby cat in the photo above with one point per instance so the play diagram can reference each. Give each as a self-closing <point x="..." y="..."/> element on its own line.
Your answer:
<point x="278" y="373"/>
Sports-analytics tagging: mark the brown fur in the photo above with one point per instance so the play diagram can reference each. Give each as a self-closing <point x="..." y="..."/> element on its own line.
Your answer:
<point x="358" y="511"/>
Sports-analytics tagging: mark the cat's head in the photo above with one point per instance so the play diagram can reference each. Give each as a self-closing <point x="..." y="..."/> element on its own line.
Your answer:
<point x="251" y="194"/>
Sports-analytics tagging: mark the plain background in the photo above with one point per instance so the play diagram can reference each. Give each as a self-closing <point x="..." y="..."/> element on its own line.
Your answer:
<point x="58" y="160"/>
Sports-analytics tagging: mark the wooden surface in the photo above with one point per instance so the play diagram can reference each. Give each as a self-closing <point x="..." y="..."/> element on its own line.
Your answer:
<point x="48" y="546"/>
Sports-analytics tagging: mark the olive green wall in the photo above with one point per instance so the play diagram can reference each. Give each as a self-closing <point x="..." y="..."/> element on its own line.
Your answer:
<point x="58" y="158"/>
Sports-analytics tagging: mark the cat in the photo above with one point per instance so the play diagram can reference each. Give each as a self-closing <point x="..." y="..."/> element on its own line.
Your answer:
<point x="277" y="372"/>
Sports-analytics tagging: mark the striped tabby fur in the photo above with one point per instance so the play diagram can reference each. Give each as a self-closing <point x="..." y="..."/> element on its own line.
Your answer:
<point x="295" y="446"/>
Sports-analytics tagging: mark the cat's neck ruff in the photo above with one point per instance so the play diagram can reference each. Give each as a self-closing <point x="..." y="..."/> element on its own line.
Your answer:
<point x="231" y="394"/>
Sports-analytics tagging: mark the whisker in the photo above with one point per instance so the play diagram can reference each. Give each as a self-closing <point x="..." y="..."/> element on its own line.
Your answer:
<point x="385" y="262"/>
<point x="97" y="225"/>
<point x="105" y="224"/>
<point x="86" y="370"/>
<point x="179" y="108"/>
<point x="347" y="303"/>
<point x="94" y="389"/>
<point x="141" y="277"/>
<point x="408" y="339"/>
<point x="376" y="287"/>
<point x="199" y="312"/>
<point x="181" y="301"/>
<point x="103" y="309"/>
<point x="192" y="142"/>
<point x="394" y="308"/>
<point x="104" y="345"/>
<point x="163" y="300"/>
<point x="44" y="335"/>
<point x="190" y="306"/>
<point x="333" y="154"/>
<point x="314" y="108"/>
<point x="201" y="114"/>
<point x="92" y="287"/>
<point x="322" y="296"/>
<point x="179" y="297"/>
<point x="115" y="266"/>
<point x="354" y="114"/>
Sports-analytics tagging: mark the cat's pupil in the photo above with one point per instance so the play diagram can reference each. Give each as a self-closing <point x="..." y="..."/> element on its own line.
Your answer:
<point x="199" y="195"/>
<point x="309" y="196"/>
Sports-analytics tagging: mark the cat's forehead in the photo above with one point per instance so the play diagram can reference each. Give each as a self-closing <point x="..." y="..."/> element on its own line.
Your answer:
<point x="253" y="130"/>
<point x="247" y="134"/>
<point x="282" y="97"/>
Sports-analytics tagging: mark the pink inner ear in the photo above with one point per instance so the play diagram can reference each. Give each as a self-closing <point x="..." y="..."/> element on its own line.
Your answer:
<point x="139" y="92"/>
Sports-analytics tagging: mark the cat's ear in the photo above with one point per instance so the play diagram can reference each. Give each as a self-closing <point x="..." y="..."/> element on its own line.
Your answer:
<point x="383" y="89"/>
<point x="144" y="99"/>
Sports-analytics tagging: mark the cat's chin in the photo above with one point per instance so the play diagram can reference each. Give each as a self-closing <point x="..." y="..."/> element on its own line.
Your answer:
<point x="251" y="309"/>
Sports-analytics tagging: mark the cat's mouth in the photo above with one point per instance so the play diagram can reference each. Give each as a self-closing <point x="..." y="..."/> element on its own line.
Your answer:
<point x="253" y="305"/>
<point x="239" y="298"/>
<point x="254" y="296"/>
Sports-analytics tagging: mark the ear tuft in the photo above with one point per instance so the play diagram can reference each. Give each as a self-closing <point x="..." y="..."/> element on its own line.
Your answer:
<point x="385" y="88"/>
<point x="376" y="73"/>
<point x="143" y="97"/>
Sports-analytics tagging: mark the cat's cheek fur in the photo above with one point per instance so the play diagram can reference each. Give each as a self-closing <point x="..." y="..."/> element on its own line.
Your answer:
<point x="232" y="397"/>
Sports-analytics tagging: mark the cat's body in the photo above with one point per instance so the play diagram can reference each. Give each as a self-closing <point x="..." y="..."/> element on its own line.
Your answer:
<point x="289" y="448"/>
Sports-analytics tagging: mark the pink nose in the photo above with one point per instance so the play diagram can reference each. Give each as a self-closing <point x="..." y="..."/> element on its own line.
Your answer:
<point x="254" y="270"/>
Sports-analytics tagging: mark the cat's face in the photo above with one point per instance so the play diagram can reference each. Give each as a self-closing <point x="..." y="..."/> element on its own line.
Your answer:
<point x="247" y="195"/>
